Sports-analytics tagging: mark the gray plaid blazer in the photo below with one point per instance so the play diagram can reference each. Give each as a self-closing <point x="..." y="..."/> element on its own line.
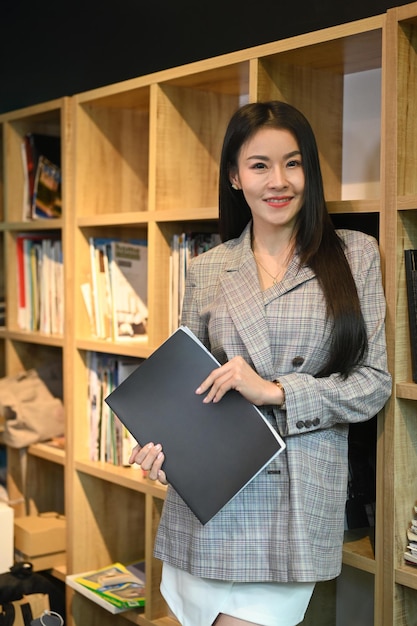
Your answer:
<point x="288" y="523"/>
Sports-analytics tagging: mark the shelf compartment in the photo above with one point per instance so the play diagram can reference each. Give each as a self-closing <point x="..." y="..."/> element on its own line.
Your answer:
<point x="407" y="107"/>
<point x="330" y="82"/>
<point x="35" y="482"/>
<point x="21" y="313"/>
<point x="161" y="233"/>
<point x="44" y="490"/>
<point x="83" y="449"/>
<point x="44" y="119"/>
<point x="111" y="152"/>
<point x="186" y="143"/>
<point x="85" y="325"/>
<point x="108" y="517"/>
<point x="404" y="478"/>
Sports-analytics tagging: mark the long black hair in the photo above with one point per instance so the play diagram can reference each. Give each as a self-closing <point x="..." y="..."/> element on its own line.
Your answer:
<point x="317" y="242"/>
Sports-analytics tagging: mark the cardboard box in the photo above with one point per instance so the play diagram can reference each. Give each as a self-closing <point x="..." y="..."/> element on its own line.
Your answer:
<point x="43" y="562"/>
<point x="38" y="535"/>
<point x="6" y="537"/>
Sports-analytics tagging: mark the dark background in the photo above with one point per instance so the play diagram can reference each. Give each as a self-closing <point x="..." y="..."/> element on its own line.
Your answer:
<point x="69" y="46"/>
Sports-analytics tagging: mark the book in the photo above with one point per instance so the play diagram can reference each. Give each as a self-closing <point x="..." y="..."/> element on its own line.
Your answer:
<point x="128" y="266"/>
<point x="116" y="587"/>
<point x="35" y="145"/>
<point x="46" y="200"/>
<point x="109" y="441"/>
<point x="410" y="558"/>
<point x="184" y="247"/>
<point x="116" y="297"/>
<point x="124" y="367"/>
<point x="410" y="257"/>
<point x="40" y="282"/>
<point x="410" y="554"/>
<point x="209" y="448"/>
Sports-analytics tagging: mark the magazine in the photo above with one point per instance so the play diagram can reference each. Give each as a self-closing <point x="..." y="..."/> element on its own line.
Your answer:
<point x="120" y="585"/>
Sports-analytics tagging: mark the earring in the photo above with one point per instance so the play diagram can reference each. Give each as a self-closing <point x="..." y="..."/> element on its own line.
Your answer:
<point x="235" y="187"/>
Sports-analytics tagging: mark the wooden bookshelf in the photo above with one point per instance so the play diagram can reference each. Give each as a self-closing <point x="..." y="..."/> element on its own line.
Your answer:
<point x="140" y="158"/>
<point x="400" y="434"/>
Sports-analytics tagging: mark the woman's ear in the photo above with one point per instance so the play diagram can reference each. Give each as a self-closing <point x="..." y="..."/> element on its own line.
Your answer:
<point x="234" y="181"/>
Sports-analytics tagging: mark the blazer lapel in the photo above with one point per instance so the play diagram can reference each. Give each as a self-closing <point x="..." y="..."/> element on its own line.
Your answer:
<point x="246" y="304"/>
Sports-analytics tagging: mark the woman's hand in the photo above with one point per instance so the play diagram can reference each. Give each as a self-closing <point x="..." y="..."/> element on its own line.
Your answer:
<point x="150" y="458"/>
<point x="238" y="374"/>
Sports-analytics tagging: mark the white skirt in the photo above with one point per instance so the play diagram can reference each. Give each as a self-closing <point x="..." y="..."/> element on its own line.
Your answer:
<point x="198" y="601"/>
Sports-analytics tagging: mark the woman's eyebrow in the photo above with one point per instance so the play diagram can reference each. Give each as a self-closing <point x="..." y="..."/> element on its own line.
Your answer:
<point x="261" y="157"/>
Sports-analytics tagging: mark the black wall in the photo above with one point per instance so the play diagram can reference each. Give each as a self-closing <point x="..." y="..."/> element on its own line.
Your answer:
<point x="48" y="50"/>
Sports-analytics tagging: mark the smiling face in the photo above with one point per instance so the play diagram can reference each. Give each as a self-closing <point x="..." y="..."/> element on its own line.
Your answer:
<point x="271" y="175"/>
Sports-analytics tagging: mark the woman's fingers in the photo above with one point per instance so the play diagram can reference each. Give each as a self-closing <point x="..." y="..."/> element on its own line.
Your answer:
<point x="235" y="374"/>
<point x="150" y="458"/>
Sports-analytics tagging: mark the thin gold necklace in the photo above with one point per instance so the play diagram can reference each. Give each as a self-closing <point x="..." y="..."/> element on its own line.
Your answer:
<point x="274" y="278"/>
<point x="283" y="266"/>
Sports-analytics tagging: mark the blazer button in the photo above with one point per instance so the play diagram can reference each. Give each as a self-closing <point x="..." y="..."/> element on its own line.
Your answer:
<point x="297" y="361"/>
<point x="300" y="425"/>
<point x="316" y="421"/>
<point x="308" y="423"/>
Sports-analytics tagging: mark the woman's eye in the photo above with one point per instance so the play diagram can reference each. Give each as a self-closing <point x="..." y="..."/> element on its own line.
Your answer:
<point x="294" y="163"/>
<point x="258" y="166"/>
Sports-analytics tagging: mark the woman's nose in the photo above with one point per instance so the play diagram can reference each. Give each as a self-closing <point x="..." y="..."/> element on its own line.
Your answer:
<point x="278" y="178"/>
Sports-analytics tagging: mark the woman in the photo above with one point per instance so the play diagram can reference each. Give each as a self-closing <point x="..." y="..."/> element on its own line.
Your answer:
<point x="295" y="312"/>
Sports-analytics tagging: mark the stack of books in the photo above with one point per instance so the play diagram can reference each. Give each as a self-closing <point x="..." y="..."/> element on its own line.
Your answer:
<point x="116" y="588"/>
<point x="40" y="282"/>
<point x="110" y="441"/>
<point x="41" y="160"/>
<point x="116" y="295"/>
<point x="184" y="247"/>
<point x="410" y="555"/>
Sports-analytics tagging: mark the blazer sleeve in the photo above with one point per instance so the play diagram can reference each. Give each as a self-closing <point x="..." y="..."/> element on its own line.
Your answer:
<point x="317" y="403"/>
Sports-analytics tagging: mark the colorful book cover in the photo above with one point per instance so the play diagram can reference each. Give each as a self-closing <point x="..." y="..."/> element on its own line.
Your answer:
<point x="35" y="145"/>
<point x="46" y="201"/>
<point x="121" y="586"/>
